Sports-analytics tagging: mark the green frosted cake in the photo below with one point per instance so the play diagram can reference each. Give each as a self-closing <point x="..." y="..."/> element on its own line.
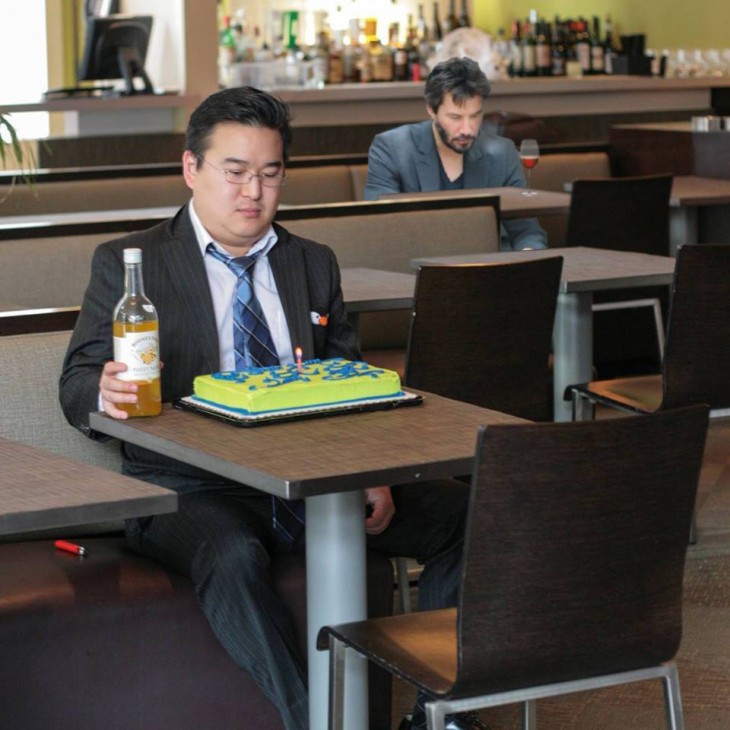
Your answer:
<point x="284" y="387"/>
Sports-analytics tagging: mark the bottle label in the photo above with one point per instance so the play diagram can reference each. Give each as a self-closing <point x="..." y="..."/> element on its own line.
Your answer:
<point x="140" y="352"/>
<point x="597" y="64"/>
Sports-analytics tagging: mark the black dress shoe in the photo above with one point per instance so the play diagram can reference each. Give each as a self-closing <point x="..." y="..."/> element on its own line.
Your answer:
<point x="460" y="721"/>
<point x="465" y="721"/>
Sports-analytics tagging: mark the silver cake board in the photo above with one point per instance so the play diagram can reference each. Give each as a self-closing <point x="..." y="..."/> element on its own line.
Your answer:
<point x="243" y="418"/>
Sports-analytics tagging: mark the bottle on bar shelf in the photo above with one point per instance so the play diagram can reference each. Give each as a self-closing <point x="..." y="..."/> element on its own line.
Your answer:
<point x="543" y="50"/>
<point x="609" y="50"/>
<point x="597" y="50"/>
<point x="464" y="20"/>
<point x="452" y="21"/>
<point x="437" y="32"/>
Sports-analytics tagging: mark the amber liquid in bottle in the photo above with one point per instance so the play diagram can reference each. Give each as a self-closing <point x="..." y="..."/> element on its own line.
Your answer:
<point x="136" y="340"/>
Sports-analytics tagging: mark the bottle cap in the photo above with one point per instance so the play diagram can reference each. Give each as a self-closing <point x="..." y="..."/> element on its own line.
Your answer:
<point x="132" y="255"/>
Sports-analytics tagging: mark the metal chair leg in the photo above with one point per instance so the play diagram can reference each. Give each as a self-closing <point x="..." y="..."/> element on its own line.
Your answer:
<point x="435" y="716"/>
<point x="337" y="684"/>
<point x="673" y="698"/>
<point x="528" y="712"/>
<point x="583" y="409"/>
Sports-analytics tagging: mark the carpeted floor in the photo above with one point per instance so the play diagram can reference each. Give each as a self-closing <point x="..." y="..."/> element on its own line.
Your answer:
<point x="704" y="657"/>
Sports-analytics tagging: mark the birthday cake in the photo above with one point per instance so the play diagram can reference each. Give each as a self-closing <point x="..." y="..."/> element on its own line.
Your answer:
<point x="314" y="383"/>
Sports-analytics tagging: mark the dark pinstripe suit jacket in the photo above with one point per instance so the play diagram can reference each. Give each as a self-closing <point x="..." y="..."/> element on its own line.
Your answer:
<point x="307" y="278"/>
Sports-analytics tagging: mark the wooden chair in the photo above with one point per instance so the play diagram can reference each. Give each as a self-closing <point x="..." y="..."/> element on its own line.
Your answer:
<point x="495" y="322"/>
<point x="696" y="361"/>
<point x="482" y="334"/>
<point x="572" y="575"/>
<point x="624" y="214"/>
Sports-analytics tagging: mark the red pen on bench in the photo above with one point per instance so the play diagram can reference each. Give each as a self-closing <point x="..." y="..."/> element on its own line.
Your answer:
<point x="70" y="547"/>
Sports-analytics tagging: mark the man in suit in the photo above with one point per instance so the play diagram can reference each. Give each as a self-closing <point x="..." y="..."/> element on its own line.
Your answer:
<point x="223" y="534"/>
<point x="451" y="151"/>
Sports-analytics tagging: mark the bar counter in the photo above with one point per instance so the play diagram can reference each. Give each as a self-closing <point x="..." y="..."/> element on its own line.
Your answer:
<point x="398" y="102"/>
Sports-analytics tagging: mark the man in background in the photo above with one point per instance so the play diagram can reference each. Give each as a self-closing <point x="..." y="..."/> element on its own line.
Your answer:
<point x="451" y="151"/>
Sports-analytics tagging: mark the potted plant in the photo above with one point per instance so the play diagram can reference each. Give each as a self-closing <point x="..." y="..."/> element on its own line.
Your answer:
<point x="12" y="149"/>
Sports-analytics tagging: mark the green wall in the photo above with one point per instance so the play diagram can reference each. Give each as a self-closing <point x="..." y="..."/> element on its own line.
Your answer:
<point x="702" y="24"/>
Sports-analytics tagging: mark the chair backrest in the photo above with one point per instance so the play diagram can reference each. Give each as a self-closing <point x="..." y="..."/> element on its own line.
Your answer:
<point x="696" y="363"/>
<point x="623" y="214"/>
<point x="482" y="334"/>
<point x="575" y="548"/>
<point x="388" y="235"/>
<point x="91" y="195"/>
<point x="30" y="366"/>
<point x="321" y="184"/>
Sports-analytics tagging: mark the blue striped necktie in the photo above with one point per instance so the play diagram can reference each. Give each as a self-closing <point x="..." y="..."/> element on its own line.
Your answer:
<point x="251" y="337"/>
<point x="254" y="347"/>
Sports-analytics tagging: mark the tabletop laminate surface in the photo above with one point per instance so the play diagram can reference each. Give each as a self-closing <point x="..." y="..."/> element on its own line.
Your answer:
<point x="584" y="268"/>
<point x="690" y="190"/>
<point x="512" y="202"/>
<point x="40" y="490"/>
<point x="318" y="456"/>
<point x="370" y="290"/>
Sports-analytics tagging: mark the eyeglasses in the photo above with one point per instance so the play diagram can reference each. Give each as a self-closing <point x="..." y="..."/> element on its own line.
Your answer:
<point x="245" y="177"/>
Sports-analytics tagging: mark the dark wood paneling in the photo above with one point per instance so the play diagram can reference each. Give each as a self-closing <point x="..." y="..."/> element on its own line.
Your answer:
<point x="644" y="151"/>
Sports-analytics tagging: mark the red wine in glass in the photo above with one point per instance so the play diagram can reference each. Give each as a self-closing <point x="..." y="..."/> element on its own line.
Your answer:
<point x="529" y="157"/>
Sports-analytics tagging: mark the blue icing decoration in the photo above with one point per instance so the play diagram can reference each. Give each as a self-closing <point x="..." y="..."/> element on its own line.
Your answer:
<point x="276" y="375"/>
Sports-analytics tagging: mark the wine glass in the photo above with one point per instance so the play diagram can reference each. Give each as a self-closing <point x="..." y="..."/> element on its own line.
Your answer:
<point x="529" y="157"/>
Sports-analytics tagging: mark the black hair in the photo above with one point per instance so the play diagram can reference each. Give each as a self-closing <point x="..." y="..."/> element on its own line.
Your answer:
<point x="243" y="104"/>
<point x="460" y="77"/>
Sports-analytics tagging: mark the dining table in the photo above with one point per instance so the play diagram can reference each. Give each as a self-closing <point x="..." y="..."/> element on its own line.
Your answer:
<point x="585" y="271"/>
<point x="375" y="290"/>
<point x="40" y="490"/>
<point x="513" y="201"/>
<point x="328" y="462"/>
<point x="691" y="193"/>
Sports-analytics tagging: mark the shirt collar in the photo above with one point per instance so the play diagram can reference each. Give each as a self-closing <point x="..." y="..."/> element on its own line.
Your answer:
<point x="262" y="246"/>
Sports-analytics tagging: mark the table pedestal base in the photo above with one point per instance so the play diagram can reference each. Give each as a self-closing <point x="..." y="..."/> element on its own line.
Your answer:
<point x="573" y="348"/>
<point x="336" y="593"/>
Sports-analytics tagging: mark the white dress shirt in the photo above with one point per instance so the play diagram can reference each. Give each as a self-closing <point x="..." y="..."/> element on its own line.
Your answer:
<point x="223" y="284"/>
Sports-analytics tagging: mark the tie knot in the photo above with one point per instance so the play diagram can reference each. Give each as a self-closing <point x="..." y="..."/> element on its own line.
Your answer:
<point x="239" y="265"/>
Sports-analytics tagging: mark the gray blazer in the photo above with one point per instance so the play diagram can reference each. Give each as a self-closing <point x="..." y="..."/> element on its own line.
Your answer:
<point x="307" y="278"/>
<point x="405" y="160"/>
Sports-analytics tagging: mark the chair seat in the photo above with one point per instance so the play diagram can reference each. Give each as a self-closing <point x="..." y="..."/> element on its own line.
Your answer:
<point x="642" y="394"/>
<point x="418" y="647"/>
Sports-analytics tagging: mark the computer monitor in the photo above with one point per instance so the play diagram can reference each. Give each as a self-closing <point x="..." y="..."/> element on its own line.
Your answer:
<point x="116" y="48"/>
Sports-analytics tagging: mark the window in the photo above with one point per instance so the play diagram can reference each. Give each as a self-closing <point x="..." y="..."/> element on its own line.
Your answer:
<point x="23" y="60"/>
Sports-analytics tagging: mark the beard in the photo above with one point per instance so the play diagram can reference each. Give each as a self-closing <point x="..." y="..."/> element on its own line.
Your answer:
<point x="460" y="144"/>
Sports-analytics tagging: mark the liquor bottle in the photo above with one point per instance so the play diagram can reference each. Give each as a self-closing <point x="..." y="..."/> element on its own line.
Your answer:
<point x="529" y="51"/>
<point x="583" y="46"/>
<point x="609" y="51"/>
<point x="352" y="53"/>
<point x="559" y="52"/>
<point x="421" y="26"/>
<point x="451" y="22"/>
<point x="515" y="64"/>
<point x="437" y="32"/>
<point x="543" y="50"/>
<point x="597" y="50"/>
<point x="335" y="66"/>
<point x="136" y="339"/>
<point x="381" y="57"/>
<point x="464" y="20"/>
<point x="226" y="52"/>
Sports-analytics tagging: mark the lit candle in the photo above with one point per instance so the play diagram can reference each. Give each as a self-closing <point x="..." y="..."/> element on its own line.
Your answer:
<point x="298" y="355"/>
